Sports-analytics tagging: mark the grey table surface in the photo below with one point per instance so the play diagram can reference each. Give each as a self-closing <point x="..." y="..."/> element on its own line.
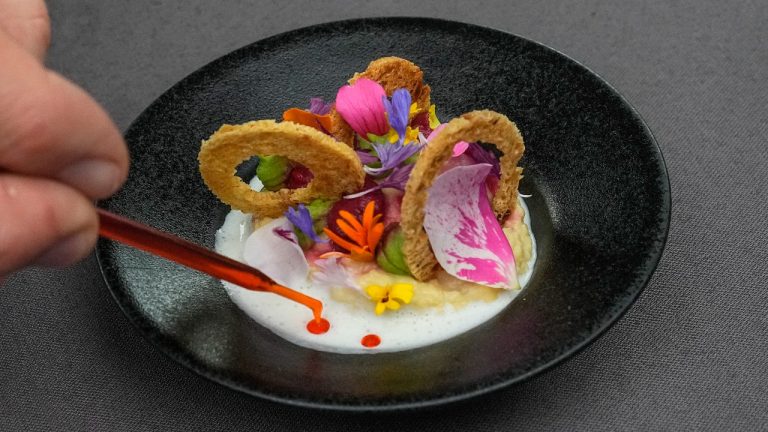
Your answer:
<point x="691" y="354"/>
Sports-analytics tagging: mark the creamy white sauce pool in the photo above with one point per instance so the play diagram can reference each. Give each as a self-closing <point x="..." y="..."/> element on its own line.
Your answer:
<point x="408" y="328"/>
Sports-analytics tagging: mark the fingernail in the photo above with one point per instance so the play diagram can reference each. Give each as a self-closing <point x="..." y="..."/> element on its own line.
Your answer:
<point x="96" y="178"/>
<point x="66" y="252"/>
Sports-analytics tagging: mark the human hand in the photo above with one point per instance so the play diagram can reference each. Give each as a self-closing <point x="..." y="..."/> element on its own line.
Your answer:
<point x="59" y="150"/>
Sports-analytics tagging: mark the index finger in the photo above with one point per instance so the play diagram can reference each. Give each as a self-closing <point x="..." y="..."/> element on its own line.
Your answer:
<point x="49" y="127"/>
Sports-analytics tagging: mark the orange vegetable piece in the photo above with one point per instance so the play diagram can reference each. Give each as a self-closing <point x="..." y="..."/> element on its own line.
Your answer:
<point x="320" y="122"/>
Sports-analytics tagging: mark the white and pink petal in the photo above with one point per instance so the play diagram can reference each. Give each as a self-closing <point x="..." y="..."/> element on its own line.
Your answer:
<point x="274" y="250"/>
<point x="467" y="240"/>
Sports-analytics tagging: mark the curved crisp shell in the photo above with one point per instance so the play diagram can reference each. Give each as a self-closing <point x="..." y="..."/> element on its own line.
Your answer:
<point x="394" y="73"/>
<point x="340" y="129"/>
<point x="335" y="167"/>
<point x="476" y="126"/>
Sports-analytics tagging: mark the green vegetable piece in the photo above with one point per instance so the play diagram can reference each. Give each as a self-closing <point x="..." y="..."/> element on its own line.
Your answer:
<point x="305" y="242"/>
<point x="390" y="256"/>
<point x="319" y="208"/>
<point x="272" y="171"/>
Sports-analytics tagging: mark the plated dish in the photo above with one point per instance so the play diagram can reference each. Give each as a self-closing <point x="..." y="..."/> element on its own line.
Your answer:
<point x="598" y="212"/>
<point x="410" y="231"/>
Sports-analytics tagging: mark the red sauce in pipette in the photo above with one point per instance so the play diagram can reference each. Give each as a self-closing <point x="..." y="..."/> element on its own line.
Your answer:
<point x="199" y="258"/>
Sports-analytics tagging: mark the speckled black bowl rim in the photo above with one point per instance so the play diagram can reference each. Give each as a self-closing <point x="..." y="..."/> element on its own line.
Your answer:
<point x="148" y="331"/>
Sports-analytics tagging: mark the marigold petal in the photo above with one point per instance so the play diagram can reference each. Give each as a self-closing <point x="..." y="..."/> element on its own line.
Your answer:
<point x="361" y="255"/>
<point x="374" y="235"/>
<point x="338" y="240"/>
<point x="368" y="215"/>
<point x="347" y="216"/>
<point x="353" y="234"/>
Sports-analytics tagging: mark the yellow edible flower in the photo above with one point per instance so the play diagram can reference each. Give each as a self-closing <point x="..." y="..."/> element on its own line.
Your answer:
<point x="413" y="111"/>
<point x="411" y="135"/>
<point x="433" y="121"/>
<point x="391" y="296"/>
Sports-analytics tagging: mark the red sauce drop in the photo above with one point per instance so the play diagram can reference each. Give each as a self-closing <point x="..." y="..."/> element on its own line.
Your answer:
<point x="318" y="326"/>
<point x="370" y="341"/>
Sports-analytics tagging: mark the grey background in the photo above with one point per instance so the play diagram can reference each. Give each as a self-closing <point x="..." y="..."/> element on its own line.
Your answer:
<point x="692" y="354"/>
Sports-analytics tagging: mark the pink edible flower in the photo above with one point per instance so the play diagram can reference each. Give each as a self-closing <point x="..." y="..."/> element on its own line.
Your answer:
<point x="458" y="149"/>
<point x="361" y="105"/>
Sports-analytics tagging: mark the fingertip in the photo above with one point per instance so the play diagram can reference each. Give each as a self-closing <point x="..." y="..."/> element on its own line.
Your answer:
<point x="43" y="222"/>
<point x="68" y="251"/>
<point x="102" y="167"/>
<point x="96" y="178"/>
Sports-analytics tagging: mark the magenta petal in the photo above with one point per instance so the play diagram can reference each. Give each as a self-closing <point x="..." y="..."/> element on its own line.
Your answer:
<point x="460" y="148"/>
<point x="436" y="131"/>
<point x="374" y="94"/>
<point x="361" y="106"/>
<point x="465" y="236"/>
<point x="347" y="107"/>
<point x="274" y="250"/>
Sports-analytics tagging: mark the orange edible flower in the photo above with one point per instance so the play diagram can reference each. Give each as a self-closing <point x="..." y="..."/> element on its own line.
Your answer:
<point x="298" y="115"/>
<point x="364" y="235"/>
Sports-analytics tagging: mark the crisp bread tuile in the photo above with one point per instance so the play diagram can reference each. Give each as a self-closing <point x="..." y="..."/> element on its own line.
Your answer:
<point x="394" y="73"/>
<point x="476" y="126"/>
<point x="340" y="129"/>
<point x="228" y="147"/>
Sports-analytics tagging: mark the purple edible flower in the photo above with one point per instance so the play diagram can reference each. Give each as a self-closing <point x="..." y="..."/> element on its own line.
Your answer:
<point x="396" y="180"/>
<point x="392" y="155"/>
<point x="366" y="158"/>
<point x="398" y="110"/>
<point x="319" y="106"/>
<point x="481" y="155"/>
<point x="302" y="220"/>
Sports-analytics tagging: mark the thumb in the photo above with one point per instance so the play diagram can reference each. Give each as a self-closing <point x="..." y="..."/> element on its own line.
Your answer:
<point x="28" y="24"/>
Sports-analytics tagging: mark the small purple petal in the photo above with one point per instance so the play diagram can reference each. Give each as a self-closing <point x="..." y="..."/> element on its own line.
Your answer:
<point x="366" y="158"/>
<point x="398" y="110"/>
<point x="481" y="155"/>
<point x="302" y="220"/>
<point x="319" y="106"/>
<point x="396" y="180"/>
<point x="392" y="155"/>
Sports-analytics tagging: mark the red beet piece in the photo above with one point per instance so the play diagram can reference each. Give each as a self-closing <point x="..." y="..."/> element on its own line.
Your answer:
<point x="356" y="206"/>
<point x="299" y="177"/>
<point x="421" y="121"/>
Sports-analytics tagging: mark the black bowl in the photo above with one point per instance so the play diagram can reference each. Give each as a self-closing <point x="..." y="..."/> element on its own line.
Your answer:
<point x="600" y="211"/>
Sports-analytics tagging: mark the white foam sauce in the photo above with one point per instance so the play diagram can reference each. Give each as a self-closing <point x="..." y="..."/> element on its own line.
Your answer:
<point x="407" y="328"/>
